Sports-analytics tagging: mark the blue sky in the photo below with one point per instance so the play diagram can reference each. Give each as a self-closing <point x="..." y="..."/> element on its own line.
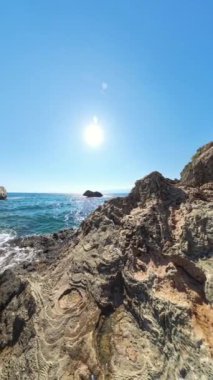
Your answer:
<point x="157" y="60"/>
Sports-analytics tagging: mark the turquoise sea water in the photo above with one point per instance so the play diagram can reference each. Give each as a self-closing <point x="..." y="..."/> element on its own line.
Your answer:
<point x="29" y="214"/>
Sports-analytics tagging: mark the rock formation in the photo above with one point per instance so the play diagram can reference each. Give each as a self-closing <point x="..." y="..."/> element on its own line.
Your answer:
<point x="3" y="193"/>
<point x="125" y="297"/>
<point x="199" y="170"/>
<point x="92" y="194"/>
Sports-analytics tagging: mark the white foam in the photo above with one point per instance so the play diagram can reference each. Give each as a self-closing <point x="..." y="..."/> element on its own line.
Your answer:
<point x="9" y="255"/>
<point x="15" y="255"/>
<point x="6" y="236"/>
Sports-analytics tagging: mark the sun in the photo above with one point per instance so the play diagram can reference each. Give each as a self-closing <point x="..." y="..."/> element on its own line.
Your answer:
<point x="94" y="134"/>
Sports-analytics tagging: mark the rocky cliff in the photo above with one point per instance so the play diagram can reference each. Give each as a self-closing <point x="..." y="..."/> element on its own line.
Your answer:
<point x="127" y="296"/>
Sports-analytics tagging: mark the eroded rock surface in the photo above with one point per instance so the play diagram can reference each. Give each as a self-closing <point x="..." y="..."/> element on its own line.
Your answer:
<point x="127" y="296"/>
<point x="199" y="170"/>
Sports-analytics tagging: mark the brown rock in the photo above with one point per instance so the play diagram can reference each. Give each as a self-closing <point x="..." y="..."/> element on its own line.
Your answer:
<point x="200" y="170"/>
<point x="127" y="296"/>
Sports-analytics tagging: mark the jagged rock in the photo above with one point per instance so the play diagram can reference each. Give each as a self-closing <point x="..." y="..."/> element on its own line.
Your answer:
<point x="92" y="194"/>
<point x="3" y="193"/>
<point x="125" y="297"/>
<point x="200" y="170"/>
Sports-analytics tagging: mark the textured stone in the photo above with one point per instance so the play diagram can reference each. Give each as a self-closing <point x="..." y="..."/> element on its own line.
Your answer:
<point x="200" y="169"/>
<point x="125" y="297"/>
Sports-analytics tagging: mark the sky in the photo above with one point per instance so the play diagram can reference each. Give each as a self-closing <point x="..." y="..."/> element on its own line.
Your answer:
<point x="143" y="69"/>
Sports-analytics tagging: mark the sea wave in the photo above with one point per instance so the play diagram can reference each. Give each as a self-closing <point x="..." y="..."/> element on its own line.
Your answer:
<point x="11" y="255"/>
<point x="6" y="236"/>
<point x="15" y="198"/>
<point x="38" y="214"/>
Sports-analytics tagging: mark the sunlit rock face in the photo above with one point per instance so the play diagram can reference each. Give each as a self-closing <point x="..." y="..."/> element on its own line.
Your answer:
<point x="3" y="193"/>
<point x="199" y="170"/>
<point x="127" y="296"/>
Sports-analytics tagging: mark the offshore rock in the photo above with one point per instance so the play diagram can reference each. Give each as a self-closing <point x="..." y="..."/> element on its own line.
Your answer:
<point x="128" y="296"/>
<point x="92" y="194"/>
<point x="3" y="193"/>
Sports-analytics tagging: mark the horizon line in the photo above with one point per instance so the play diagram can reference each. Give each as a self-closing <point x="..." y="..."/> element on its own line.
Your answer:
<point x="70" y="192"/>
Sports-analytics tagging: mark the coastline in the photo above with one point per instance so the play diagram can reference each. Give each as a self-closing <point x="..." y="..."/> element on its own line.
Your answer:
<point x="133" y="284"/>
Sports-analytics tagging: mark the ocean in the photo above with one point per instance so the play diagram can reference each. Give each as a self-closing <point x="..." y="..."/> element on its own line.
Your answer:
<point x="24" y="214"/>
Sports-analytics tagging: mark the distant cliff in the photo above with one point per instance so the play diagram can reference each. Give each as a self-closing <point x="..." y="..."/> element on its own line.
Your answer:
<point x="127" y="296"/>
<point x="3" y="193"/>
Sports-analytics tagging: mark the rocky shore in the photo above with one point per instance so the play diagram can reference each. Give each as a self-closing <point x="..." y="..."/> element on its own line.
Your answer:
<point x="125" y="297"/>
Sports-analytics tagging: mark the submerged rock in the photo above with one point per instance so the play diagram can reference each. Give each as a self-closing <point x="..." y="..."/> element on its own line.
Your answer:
<point x="91" y="194"/>
<point x="127" y="296"/>
<point x="3" y="193"/>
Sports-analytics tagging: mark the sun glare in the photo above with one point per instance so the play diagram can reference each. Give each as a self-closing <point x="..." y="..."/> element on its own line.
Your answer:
<point x="93" y="134"/>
